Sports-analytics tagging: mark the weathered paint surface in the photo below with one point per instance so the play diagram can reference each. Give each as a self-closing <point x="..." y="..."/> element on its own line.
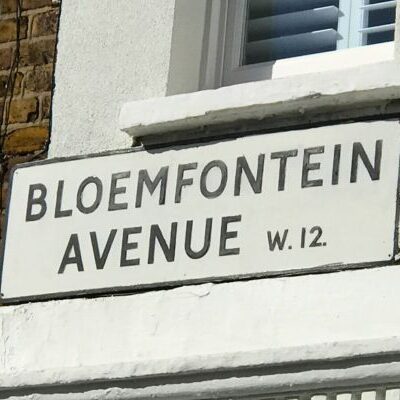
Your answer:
<point x="208" y="390"/>
<point x="299" y="206"/>
<point x="298" y="95"/>
<point x="125" y="56"/>
<point x="202" y="328"/>
<point x="207" y="327"/>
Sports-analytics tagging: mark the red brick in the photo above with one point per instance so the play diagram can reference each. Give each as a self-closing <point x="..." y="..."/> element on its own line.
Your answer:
<point x="24" y="110"/>
<point x="26" y="140"/>
<point x="9" y="6"/>
<point x="31" y="4"/>
<point x="17" y="85"/>
<point x="5" y="58"/>
<point x="39" y="79"/>
<point x="4" y="191"/>
<point x="8" y="29"/>
<point x="45" y="23"/>
<point x="21" y="159"/>
<point x="37" y="53"/>
<point x="2" y="219"/>
<point x="46" y="104"/>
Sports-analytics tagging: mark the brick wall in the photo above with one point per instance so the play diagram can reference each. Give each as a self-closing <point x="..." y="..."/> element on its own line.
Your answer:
<point x="27" y="133"/>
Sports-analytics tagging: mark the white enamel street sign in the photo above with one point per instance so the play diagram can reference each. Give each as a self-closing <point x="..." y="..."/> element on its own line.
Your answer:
<point x="310" y="200"/>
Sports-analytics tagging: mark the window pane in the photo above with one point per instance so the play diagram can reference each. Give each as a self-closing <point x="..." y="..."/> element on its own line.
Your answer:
<point x="380" y="37"/>
<point x="265" y="8"/>
<point x="381" y="18"/>
<point x="279" y="29"/>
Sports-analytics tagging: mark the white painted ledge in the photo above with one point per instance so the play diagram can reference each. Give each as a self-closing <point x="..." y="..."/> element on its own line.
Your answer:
<point x="259" y="100"/>
<point x="205" y="328"/>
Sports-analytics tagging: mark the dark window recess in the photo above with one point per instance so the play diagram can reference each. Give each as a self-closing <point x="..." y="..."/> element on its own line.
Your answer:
<point x="379" y="21"/>
<point x="278" y="29"/>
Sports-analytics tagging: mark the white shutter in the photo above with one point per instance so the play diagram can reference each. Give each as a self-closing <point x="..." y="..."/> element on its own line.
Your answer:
<point x="279" y="29"/>
<point x="379" y="21"/>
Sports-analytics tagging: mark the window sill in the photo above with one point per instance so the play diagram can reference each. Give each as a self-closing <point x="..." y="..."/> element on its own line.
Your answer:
<point x="299" y="95"/>
<point x="338" y="61"/>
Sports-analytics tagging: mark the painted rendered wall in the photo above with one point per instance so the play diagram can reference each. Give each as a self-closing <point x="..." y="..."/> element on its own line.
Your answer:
<point x="210" y="327"/>
<point x="108" y="52"/>
<point x="111" y="52"/>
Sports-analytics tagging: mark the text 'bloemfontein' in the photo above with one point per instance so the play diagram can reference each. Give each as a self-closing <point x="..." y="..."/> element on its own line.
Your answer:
<point x="260" y="205"/>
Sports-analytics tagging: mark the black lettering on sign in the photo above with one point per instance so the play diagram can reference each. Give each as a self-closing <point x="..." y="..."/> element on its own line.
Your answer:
<point x="181" y="182"/>
<point x="318" y="231"/>
<point x="222" y="184"/>
<point x="359" y="153"/>
<point x="336" y="163"/>
<point x="144" y="179"/>
<point x="38" y="201"/>
<point x="225" y="235"/>
<point x="168" y="250"/>
<point x="206" y="244"/>
<point x="255" y="182"/>
<point x="283" y="156"/>
<point x="99" y="194"/>
<point x="128" y="245"/>
<point x="101" y="259"/>
<point x="115" y="190"/>
<point x="277" y="240"/>
<point x="59" y="213"/>
<point x="73" y="247"/>
<point x="309" y="166"/>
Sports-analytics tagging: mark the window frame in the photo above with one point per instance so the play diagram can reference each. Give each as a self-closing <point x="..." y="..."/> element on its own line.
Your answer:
<point x="222" y="52"/>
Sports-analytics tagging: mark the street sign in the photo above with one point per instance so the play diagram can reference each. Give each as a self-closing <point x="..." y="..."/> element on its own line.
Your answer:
<point x="320" y="199"/>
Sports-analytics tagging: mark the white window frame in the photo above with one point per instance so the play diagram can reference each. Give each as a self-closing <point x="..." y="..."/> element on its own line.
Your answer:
<point x="349" y="83"/>
<point x="222" y="53"/>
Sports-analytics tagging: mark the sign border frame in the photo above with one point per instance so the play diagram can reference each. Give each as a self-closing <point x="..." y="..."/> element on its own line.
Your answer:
<point x="139" y="288"/>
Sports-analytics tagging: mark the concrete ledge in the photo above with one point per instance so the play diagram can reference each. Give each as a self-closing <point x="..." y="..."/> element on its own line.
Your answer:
<point x="260" y="100"/>
<point x="343" y="380"/>
<point x="206" y="328"/>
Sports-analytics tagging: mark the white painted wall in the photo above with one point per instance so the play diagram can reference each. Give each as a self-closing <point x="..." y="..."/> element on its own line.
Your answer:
<point x="204" y="328"/>
<point x="109" y="52"/>
<point x="112" y="52"/>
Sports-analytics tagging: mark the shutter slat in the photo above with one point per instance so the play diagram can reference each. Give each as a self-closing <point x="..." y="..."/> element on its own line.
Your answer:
<point x="379" y="6"/>
<point x="291" y="46"/>
<point x="264" y="8"/>
<point x="379" y="23"/>
<point x="293" y="23"/>
<point x="279" y="29"/>
<point x="379" y="28"/>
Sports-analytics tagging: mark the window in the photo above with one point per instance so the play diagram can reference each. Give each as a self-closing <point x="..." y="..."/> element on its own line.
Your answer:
<point x="263" y="37"/>
<point x="278" y="29"/>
